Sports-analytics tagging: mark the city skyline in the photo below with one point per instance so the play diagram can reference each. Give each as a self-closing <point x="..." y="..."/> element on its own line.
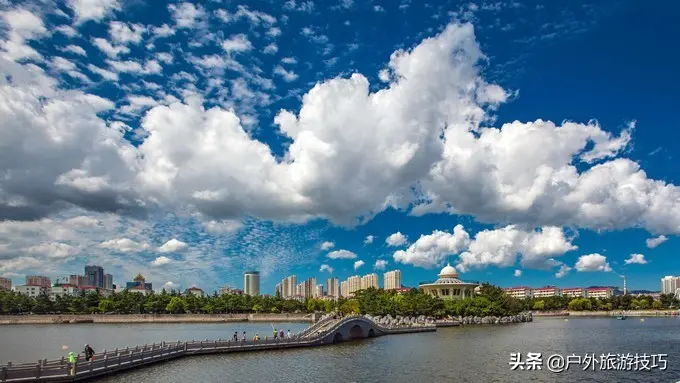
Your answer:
<point x="192" y="142"/>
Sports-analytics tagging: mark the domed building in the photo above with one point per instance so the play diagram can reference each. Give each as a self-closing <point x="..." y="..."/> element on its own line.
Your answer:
<point x="448" y="286"/>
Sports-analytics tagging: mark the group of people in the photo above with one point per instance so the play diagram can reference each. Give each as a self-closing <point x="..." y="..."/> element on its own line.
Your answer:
<point x="89" y="351"/>
<point x="280" y="334"/>
<point x="73" y="358"/>
<point x="277" y="335"/>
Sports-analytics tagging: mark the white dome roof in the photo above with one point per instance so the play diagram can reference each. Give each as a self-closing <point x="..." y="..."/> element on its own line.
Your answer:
<point x="448" y="271"/>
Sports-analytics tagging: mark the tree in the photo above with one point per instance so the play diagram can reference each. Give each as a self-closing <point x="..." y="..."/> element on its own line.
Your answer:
<point x="106" y="306"/>
<point x="539" y="305"/>
<point x="580" y="304"/>
<point x="656" y="305"/>
<point x="176" y="306"/>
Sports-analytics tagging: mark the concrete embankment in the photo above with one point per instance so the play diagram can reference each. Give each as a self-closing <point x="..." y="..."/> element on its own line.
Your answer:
<point x="150" y="318"/>
<point x="631" y="313"/>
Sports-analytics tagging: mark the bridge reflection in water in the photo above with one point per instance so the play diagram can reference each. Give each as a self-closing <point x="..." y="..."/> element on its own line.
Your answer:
<point x="326" y="331"/>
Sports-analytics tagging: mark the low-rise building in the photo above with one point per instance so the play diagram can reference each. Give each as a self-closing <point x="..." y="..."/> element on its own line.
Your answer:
<point x="195" y="291"/>
<point x="547" y="291"/>
<point x="139" y="281"/>
<point x="93" y="289"/>
<point x="139" y="290"/>
<point x="402" y="290"/>
<point x="519" y="292"/>
<point x="600" y="292"/>
<point x="32" y="291"/>
<point x="63" y="290"/>
<point x="574" y="292"/>
<point x="227" y="290"/>
<point x="449" y="286"/>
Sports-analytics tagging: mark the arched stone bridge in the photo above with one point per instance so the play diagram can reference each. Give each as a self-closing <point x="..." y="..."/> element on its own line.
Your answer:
<point x="354" y="327"/>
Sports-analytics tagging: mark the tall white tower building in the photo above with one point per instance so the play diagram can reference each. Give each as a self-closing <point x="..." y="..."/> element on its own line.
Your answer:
<point x="251" y="283"/>
<point x="392" y="280"/>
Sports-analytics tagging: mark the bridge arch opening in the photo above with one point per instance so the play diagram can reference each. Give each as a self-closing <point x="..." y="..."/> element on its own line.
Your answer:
<point x="356" y="332"/>
<point x="337" y="338"/>
<point x="371" y="333"/>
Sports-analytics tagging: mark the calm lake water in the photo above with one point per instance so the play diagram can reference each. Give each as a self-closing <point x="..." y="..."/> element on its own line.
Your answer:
<point x="463" y="354"/>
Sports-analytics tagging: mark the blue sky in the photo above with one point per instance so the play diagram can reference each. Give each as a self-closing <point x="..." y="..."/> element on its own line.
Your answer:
<point x="527" y="143"/>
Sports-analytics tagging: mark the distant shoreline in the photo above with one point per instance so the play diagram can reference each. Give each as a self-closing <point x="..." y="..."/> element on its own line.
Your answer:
<point x="153" y="318"/>
<point x="612" y="313"/>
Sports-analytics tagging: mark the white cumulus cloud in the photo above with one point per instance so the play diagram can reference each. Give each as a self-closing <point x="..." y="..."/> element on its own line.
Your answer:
<point x="326" y="268"/>
<point x="95" y="10"/>
<point x="501" y="247"/>
<point x="186" y="14"/>
<point x="636" y="259"/>
<point x="656" y="241"/>
<point x="124" y="245"/>
<point x="431" y="250"/>
<point x="341" y="254"/>
<point x="23" y="25"/>
<point x="592" y="262"/>
<point x="380" y="264"/>
<point x="237" y="43"/>
<point x="327" y="245"/>
<point x="160" y="261"/>
<point x="518" y="273"/>
<point x="563" y="271"/>
<point x="173" y="246"/>
<point x="396" y="239"/>
<point x="358" y="264"/>
<point x="369" y="239"/>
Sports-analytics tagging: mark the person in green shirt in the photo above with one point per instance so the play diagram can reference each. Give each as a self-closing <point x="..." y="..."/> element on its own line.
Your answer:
<point x="72" y="363"/>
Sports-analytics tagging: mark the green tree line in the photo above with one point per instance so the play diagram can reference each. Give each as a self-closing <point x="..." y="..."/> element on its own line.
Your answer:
<point x="490" y="301"/>
<point x="618" y="302"/>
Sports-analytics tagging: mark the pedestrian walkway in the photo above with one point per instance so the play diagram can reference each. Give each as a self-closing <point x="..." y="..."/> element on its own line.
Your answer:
<point x="326" y="331"/>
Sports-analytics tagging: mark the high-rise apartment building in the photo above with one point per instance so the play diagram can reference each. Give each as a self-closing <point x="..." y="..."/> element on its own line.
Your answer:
<point x="288" y="287"/>
<point x="277" y="290"/>
<point x="332" y="288"/>
<point x="5" y="283"/>
<point x="369" y="280"/>
<point x="352" y="284"/>
<point x="251" y="283"/>
<point x="318" y="292"/>
<point x="309" y="288"/>
<point x="669" y="284"/>
<point x="392" y="280"/>
<point x="344" y="289"/>
<point x="94" y="276"/>
<point x="108" y="281"/>
<point x="38" y="280"/>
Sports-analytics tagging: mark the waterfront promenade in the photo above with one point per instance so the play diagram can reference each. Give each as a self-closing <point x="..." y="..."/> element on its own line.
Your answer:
<point x="324" y="332"/>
